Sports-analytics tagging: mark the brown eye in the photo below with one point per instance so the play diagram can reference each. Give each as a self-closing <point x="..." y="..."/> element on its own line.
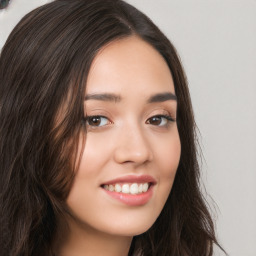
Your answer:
<point x="159" y="120"/>
<point x="96" y="121"/>
<point x="155" y="120"/>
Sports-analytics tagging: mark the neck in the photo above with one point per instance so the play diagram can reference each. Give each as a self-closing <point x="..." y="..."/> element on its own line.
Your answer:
<point x="78" y="239"/>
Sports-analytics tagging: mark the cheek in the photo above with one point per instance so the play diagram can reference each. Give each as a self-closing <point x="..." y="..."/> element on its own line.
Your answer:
<point x="91" y="162"/>
<point x="95" y="155"/>
<point x="167" y="157"/>
<point x="167" y="151"/>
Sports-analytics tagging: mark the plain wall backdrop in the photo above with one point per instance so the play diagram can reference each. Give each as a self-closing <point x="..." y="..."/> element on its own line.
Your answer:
<point x="216" y="40"/>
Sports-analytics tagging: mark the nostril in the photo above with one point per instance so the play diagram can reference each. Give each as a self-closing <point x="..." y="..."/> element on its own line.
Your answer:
<point x="4" y="3"/>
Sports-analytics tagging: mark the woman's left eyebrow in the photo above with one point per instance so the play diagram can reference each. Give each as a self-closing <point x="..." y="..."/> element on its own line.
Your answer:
<point x="159" y="97"/>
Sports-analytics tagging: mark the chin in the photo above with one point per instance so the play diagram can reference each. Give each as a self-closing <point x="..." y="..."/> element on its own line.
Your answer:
<point x="128" y="226"/>
<point x="131" y="224"/>
<point x="131" y="230"/>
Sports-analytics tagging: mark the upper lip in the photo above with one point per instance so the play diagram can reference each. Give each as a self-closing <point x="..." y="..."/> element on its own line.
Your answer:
<point x="132" y="179"/>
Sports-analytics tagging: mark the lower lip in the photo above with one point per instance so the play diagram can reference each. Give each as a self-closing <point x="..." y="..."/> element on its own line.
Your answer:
<point x="132" y="200"/>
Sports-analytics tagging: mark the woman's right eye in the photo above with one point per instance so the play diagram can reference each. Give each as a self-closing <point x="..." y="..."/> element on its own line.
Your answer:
<point x="97" y="121"/>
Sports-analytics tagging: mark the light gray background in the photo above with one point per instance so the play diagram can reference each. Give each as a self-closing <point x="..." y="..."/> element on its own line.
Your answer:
<point x="216" y="40"/>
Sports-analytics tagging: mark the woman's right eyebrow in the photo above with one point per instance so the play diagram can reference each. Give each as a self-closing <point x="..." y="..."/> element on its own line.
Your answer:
<point x="103" y="97"/>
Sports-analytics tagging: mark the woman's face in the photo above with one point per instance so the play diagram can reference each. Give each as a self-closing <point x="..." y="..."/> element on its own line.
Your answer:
<point x="132" y="147"/>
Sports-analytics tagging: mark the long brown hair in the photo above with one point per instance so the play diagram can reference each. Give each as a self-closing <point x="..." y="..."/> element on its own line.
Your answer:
<point x="43" y="70"/>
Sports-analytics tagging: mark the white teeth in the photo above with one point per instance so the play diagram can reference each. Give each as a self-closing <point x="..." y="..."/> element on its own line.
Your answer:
<point x="118" y="188"/>
<point x="133" y="188"/>
<point x="125" y="189"/>
<point x="145" y="187"/>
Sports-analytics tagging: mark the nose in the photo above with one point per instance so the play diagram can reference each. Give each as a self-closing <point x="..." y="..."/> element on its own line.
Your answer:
<point x="133" y="147"/>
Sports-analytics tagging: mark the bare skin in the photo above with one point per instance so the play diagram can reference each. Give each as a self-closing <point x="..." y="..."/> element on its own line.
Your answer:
<point x="81" y="240"/>
<point x="131" y="130"/>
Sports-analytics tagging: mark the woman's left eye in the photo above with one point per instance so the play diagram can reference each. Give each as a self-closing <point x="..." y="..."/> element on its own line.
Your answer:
<point x="160" y="120"/>
<point x="96" y="121"/>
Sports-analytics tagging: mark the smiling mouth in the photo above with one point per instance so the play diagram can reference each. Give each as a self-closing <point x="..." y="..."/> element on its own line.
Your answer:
<point x="128" y="188"/>
<point x="131" y="190"/>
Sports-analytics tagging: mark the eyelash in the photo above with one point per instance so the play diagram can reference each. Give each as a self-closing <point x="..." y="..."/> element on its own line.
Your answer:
<point x="167" y="118"/>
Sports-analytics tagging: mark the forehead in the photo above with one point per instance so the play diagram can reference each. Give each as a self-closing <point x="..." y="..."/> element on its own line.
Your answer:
<point x="129" y="64"/>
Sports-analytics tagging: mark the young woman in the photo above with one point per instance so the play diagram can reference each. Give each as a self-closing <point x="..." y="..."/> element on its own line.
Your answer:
<point x="97" y="137"/>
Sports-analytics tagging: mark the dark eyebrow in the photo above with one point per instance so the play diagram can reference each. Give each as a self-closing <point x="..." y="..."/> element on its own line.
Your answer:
<point x="161" y="97"/>
<point x="103" y="97"/>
